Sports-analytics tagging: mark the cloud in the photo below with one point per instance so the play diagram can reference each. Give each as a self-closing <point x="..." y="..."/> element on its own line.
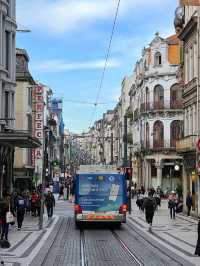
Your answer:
<point x="60" y="16"/>
<point x="60" y="65"/>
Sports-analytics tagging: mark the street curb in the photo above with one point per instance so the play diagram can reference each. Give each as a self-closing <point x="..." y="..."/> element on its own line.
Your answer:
<point x="40" y="257"/>
<point x="154" y="242"/>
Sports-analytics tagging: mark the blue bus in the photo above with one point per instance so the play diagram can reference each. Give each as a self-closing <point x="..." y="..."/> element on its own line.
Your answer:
<point x="100" y="197"/>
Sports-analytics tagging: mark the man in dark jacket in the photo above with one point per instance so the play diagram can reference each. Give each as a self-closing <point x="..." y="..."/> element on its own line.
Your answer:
<point x="149" y="207"/>
<point x="50" y="203"/>
<point x="20" y="206"/>
<point x="189" y="203"/>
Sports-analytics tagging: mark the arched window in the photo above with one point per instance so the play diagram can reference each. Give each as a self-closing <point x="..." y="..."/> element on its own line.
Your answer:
<point x="176" y="131"/>
<point x="147" y="99"/>
<point x="147" y="136"/>
<point x="157" y="59"/>
<point x="158" y="97"/>
<point x="158" y="134"/>
<point x="176" y="97"/>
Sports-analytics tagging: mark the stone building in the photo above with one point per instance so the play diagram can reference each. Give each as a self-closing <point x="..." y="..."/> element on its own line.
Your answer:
<point x="186" y="25"/>
<point x="156" y="103"/>
<point x="23" y="163"/>
<point x="9" y="137"/>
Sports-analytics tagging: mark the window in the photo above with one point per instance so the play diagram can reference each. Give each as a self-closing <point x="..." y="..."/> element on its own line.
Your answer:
<point x="158" y="134"/>
<point x="13" y="106"/>
<point x="6" y="104"/>
<point x="7" y="46"/>
<point x="157" y="59"/>
<point x="147" y="99"/>
<point x="176" y="132"/>
<point x="30" y="97"/>
<point x="147" y="135"/>
<point x="176" y="97"/>
<point x="29" y="120"/>
<point x="158" y="97"/>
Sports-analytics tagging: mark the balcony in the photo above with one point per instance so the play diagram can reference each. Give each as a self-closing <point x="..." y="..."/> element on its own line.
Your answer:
<point x="186" y="144"/>
<point x="164" y="145"/>
<point x="157" y="106"/>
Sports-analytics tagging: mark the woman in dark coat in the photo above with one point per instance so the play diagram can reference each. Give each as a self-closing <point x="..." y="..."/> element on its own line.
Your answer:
<point x="5" y="205"/>
<point x="197" y="250"/>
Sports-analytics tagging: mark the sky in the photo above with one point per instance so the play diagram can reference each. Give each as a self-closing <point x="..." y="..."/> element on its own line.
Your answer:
<point x="68" y="42"/>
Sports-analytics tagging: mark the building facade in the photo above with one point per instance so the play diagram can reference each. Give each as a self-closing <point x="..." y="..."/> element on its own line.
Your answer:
<point x="7" y="88"/>
<point x="186" y="25"/>
<point x="156" y="101"/>
<point x="23" y="164"/>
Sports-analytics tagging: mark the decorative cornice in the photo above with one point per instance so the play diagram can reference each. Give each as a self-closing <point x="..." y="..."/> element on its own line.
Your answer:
<point x="188" y="29"/>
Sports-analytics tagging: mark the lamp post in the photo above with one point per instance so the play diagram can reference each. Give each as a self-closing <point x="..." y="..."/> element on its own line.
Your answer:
<point x="44" y="171"/>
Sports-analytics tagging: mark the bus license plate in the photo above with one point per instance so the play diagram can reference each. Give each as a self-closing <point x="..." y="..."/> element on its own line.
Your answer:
<point x="100" y="217"/>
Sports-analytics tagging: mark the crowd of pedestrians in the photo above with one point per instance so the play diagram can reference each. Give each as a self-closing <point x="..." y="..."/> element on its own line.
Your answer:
<point x="14" y="206"/>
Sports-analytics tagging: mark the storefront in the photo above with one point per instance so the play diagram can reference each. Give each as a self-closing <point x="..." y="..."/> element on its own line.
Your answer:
<point x="8" y="141"/>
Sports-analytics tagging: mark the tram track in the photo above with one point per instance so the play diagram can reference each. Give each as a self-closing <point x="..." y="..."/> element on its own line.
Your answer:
<point x="126" y="249"/>
<point x="53" y="242"/>
<point x="83" y="257"/>
<point x="154" y="245"/>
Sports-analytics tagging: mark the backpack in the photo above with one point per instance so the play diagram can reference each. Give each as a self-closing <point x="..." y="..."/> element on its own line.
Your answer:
<point x="150" y="204"/>
<point x="21" y="203"/>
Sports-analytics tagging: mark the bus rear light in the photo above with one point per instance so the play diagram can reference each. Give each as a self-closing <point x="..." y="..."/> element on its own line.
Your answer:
<point x="123" y="209"/>
<point x="77" y="209"/>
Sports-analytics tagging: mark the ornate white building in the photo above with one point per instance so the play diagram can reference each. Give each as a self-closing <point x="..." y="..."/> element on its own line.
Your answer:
<point x="156" y="102"/>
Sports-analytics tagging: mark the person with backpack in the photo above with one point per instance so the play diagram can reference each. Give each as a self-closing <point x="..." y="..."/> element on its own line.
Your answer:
<point x="20" y="207"/>
<point x="149" y="206"/>
<point x="50" y="203"/>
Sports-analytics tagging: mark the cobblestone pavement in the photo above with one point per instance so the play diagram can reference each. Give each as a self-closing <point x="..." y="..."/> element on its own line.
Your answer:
<point x="101" y="245"/>
<point x="171" y="243"/>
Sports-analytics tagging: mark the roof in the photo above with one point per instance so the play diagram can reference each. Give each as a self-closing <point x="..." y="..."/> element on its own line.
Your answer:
<point x="173" y="39"/>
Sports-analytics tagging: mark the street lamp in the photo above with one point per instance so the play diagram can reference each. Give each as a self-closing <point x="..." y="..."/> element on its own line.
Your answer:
<point x="44" y="172"/>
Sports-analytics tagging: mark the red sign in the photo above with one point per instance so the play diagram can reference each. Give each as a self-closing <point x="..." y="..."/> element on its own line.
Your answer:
<point x="198" y="145"/>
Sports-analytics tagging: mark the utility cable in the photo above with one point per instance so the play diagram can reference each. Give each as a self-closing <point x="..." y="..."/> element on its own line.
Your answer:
<point x="106" y="63"/>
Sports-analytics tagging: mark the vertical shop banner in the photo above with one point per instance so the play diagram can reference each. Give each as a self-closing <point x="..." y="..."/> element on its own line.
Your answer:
<point x="39" y="119"/>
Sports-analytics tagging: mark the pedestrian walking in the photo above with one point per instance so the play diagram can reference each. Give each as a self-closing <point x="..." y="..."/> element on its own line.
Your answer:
<point x="50" y="203"/>
<point x="197" y="250"/>
<point x="149" y="206"/>
<point x="5" y="208"/>
<point x="140" y="200"/>
<point x="172" y="200"/>
<point x="34" y="199"/>
<point x="20" y="207"/>
<point x="61" y="192"/>
<point x="189" y="203"/>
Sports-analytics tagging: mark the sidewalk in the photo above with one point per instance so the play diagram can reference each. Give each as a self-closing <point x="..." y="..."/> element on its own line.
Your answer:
<point x="26" y="242"/>
<point x="179" y="235"/>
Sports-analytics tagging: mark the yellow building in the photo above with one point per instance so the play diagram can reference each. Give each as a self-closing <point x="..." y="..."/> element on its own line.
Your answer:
<point x="23" y="164"/>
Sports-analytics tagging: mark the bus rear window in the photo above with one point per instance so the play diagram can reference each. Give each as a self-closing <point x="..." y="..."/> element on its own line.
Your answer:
<point x="105" y="185"/>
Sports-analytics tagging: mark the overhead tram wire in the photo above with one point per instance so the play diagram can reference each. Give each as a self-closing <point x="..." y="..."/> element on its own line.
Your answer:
<point x="106" y="63"/>
<point x="87" y="102"/>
